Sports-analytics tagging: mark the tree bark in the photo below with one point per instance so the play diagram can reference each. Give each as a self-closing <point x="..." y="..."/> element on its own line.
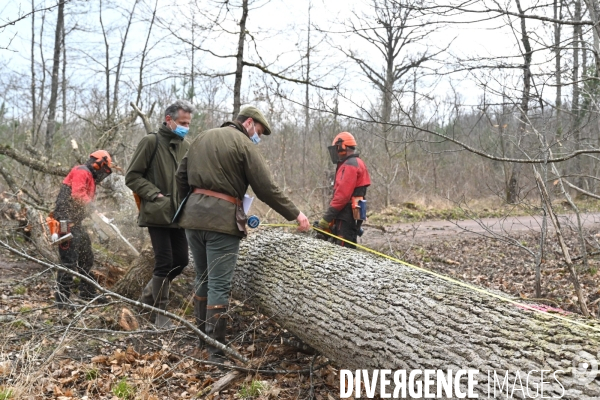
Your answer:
<point x="136" y="277"/>
<point x="512" y="196"/>
<point x="34" y="163"/>
<point x="558" y="68"/>
<point x="366" y="312"/>
<point x="306" y="99"/>
<point x="33" y="99"/>
<point x="51" y="128"/>
<point x="239" y="69"/>
<point x="576" y="101"/>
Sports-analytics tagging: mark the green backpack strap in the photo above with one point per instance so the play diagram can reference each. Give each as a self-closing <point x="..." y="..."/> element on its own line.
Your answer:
<point x="153" y="153"/>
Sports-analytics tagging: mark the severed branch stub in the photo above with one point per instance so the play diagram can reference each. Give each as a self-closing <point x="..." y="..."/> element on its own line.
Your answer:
<point x="145" y="117"/>
<point x="118" y="232"/>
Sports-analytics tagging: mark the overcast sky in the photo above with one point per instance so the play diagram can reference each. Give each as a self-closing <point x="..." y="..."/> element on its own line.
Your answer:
<point x="279" y="27"/>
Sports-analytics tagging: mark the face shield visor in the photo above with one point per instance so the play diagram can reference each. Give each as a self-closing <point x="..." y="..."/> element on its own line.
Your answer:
<point x="333" y="153"/>
<point x="102" y="173"/>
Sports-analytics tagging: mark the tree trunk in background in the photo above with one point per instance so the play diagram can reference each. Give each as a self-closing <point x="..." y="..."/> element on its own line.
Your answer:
<point x="51" y="128"/>
<point x="64" y="79"/>
<point x="33" y="99"/>
<point x="575" y="104"/>
<point x="119" y="66"/>
<point x="557" y="66"/>
<point x="512" y="195"/>
<point x="239" y="69"/>
<point x="306" y="100"/>
<point x="364" y="311"/>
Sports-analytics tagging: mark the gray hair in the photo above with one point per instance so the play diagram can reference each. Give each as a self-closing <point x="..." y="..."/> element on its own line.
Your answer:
<point x="173" y="109"/>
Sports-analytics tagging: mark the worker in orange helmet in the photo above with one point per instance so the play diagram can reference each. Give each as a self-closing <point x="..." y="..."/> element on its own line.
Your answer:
<point x="347" y="209"/>
<point x="76" y="193"/>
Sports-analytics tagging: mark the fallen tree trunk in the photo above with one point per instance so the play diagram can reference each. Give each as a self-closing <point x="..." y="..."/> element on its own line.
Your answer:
<point x="367" y="312"/>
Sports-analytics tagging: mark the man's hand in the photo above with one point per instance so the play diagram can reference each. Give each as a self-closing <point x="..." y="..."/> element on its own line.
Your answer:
<point x="323" y="225"/>
<point x="303" y="223"/>
<point x="158" y="196"/>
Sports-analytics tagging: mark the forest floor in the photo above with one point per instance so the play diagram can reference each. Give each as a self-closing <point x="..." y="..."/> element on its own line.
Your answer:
<point x="88" y="353"/>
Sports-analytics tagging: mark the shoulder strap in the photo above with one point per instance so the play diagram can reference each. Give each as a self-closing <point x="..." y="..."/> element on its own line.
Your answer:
<point x="153" y="153"/>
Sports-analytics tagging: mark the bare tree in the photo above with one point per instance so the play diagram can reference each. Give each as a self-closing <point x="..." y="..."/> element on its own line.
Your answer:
<point x="51" y="127"/>
<point x="512" y="192"/>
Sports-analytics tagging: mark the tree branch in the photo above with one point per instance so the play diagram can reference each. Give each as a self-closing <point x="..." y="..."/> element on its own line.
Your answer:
<point x="46" y="167"/>
<point x="276" y="75"/>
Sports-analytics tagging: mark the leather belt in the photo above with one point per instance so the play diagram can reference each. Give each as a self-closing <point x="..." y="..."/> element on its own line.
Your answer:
<point x="218" y="195"/>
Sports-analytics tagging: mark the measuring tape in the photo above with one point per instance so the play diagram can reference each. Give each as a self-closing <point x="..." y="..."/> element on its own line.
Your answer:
<point x="444" y="277"/>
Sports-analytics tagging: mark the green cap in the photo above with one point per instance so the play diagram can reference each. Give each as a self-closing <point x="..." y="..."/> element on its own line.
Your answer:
<point x="255" y="114"/>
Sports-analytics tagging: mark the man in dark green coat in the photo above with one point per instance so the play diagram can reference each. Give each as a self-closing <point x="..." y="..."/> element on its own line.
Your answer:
<point x="216" y="171"/>
<point x="151" y="176"/>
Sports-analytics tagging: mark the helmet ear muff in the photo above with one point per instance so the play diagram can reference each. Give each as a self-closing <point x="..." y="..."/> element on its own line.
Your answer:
<point x="99" y="163"/>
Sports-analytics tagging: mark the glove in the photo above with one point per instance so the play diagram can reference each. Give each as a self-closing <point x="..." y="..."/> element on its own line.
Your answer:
<point x="54" y="237"/>
<point x="324" y="225"/>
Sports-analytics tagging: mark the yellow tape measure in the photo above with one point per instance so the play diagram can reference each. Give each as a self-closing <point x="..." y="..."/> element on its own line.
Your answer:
<point x="444" y="277"/>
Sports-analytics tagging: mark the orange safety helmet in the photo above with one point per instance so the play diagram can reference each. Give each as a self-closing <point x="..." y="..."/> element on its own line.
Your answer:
<point x="102" y="157"/>
<point x="339" y="147"/>
<point x="344" y="139"/>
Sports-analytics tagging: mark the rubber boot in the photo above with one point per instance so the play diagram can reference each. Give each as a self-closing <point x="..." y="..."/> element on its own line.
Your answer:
<point x="64" y="282"/>
<point x="160" y="293"/>
<point x="216" y="323"/>
<point x="200" y="315"/>
<point x="146" y="296"/>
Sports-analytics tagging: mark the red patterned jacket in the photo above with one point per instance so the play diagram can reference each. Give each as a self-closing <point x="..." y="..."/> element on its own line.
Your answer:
<point x="76" y="192"/>
<point x="351" y="179"/>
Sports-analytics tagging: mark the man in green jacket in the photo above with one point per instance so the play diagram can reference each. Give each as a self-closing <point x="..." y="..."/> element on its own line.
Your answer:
<point x="216" y="171"/>
<point x="151" y="176"/>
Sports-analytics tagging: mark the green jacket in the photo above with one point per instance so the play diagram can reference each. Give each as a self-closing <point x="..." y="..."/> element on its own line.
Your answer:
<point x="225" y="160"/>
<point x="159" y="178"/>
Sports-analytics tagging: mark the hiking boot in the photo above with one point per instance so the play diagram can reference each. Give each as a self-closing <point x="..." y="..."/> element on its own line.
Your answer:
<point x="64" y="283"/>
<point x="88" y="292"/>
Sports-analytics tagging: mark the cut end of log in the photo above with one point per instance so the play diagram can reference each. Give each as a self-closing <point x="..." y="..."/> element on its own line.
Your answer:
<point x="127" y="320"/>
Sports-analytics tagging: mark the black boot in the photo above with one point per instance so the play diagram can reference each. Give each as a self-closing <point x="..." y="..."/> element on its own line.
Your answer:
<point x="88" y="292"/>
<point x="64" y="282"/>
<point x="146" y="296"/>
<point x="200" y="315"/>
<point x="160" y="293"/>
<point x="216" y="323"/>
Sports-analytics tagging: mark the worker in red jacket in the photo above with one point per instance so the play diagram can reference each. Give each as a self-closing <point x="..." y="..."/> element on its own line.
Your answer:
<point x="76" y="193"/>
<point x="347" y="208"/>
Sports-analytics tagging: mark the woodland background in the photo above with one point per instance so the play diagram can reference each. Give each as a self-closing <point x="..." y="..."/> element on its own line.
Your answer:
<point x="461" y="110"/>
<point x="437" y="114"/>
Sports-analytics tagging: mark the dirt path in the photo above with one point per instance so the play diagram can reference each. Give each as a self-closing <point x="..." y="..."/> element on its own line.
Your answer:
<point x="432" y="230"/>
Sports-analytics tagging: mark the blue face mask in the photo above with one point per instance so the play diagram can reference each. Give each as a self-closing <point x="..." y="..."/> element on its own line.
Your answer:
<point x="255" y="138"/>
<point x="180" y="131"/>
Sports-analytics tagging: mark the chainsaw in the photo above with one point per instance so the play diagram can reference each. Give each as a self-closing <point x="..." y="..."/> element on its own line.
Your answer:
<point x="59" y="230"/>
